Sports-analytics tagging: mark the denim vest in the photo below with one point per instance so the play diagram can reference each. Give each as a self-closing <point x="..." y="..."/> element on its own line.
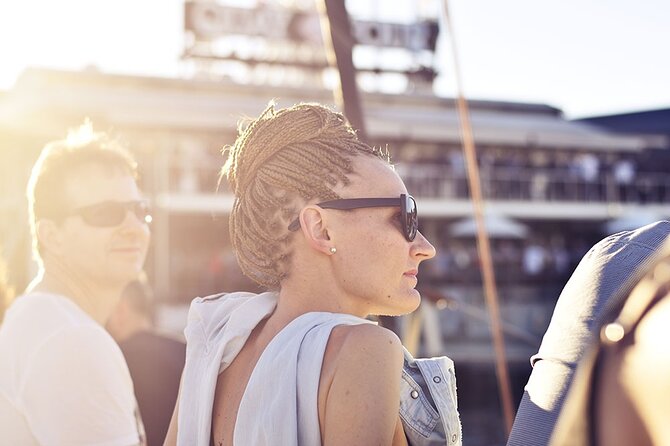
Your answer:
<point x="218" y="328"/>
<point x="428" y="405"/>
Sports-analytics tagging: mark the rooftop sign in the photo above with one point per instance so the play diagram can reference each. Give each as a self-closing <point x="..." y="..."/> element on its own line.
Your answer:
<point x="210" y="21"/>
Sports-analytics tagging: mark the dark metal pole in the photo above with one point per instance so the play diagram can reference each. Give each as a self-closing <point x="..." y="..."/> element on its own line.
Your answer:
<point x="339" y="42"/>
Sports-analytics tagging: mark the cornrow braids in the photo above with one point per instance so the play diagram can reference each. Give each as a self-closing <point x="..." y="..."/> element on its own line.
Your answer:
<point x="279" y="161"/>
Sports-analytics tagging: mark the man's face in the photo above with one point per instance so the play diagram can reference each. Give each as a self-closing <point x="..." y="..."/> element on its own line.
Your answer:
<point x="109" y="255"/>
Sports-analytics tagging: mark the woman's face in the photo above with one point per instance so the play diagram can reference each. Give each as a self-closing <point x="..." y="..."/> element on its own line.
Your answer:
<point x="375" y="265"/>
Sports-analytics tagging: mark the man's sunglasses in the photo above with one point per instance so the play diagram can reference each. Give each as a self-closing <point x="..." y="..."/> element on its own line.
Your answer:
<point x="409" y="216"/>
<point x="108" y="214"/>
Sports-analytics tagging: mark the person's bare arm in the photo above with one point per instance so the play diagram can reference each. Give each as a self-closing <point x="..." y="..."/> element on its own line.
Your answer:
<point x="634" y="394"/>
<point x="363" y="400"/>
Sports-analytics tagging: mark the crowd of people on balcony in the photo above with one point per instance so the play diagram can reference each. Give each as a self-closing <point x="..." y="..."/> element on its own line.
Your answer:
<point x="548" y="175"/>
<point x="506" y="174"/>
<point x="536" y="260"/>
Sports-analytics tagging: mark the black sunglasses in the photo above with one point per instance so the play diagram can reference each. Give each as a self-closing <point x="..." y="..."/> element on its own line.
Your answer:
<point x="410" y="218"/>
<point x="108" y="214"/>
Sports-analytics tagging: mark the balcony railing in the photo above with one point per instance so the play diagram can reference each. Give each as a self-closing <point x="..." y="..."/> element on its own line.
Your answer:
<point x="438" y="181"/>
<point x="430" y="180"/>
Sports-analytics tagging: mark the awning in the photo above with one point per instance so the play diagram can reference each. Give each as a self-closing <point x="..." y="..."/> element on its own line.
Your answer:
<point x="497" y="226"/>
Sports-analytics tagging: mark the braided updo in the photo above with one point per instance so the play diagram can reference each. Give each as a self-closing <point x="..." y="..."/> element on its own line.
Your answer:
<point x="279" y="162"/>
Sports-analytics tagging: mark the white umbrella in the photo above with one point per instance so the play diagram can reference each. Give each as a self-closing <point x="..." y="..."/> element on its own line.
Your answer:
<point x="496" y="225"/>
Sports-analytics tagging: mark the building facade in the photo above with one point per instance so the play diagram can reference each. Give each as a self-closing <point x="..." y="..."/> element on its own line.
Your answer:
<point x="551" y="188"/>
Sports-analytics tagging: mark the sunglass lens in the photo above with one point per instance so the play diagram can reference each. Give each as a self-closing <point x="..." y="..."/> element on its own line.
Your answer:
<point x="411" y="218"/>
<point x="104" y="214"/>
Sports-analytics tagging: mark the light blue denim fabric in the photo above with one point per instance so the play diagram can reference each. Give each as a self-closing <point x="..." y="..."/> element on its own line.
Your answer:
<point x="428" y="403"/>
<point x="604" y="277"/>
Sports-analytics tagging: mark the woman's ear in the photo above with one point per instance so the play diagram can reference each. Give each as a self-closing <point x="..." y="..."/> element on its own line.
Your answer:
<point x="314" y="226"/>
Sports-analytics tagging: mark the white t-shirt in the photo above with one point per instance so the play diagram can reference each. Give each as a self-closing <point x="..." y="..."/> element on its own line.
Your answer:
<point x="63" y="379"/>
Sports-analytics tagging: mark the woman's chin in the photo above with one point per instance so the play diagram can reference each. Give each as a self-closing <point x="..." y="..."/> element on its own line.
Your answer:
<point x="404" y="305"/>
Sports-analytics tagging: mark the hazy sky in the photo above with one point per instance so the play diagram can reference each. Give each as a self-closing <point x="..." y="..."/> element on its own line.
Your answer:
<point x="584" y="56"/>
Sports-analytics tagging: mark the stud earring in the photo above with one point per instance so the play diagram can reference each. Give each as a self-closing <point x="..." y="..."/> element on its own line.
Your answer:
<point x="333" y="250"/>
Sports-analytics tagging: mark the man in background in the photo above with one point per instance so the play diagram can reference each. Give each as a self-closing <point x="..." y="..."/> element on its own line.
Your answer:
<point x="155" y="361"/>
<point x="63" y="379"/>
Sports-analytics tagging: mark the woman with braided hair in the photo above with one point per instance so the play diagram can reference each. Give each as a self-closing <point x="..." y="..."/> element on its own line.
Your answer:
<point x="324" y="222"/>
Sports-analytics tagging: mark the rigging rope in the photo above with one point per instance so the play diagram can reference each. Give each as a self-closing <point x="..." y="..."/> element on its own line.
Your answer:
<point x="483" y="245"/>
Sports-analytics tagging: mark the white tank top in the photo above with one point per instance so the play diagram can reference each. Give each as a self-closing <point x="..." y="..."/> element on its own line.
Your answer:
<point x="279" y="405"/>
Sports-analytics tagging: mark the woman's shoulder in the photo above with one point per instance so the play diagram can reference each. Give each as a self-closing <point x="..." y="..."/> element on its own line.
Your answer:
<point x="369" y="344"/>
<point x="366" y="333"/>
<point x="359" y="392"/>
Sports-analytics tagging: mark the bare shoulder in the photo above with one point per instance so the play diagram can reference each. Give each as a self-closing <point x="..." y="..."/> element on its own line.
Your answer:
<point x="362" y="355"/>
<point x="359" y="393"/>
<point x="365" y="342"/>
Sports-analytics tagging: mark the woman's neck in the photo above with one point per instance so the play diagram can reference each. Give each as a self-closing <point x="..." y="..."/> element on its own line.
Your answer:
<point x="319" y="295"/>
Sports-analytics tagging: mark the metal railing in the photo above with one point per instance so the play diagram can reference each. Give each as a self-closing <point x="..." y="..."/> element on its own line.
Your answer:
<point x="430" y="180"/>
<point x="441" y="181"/>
